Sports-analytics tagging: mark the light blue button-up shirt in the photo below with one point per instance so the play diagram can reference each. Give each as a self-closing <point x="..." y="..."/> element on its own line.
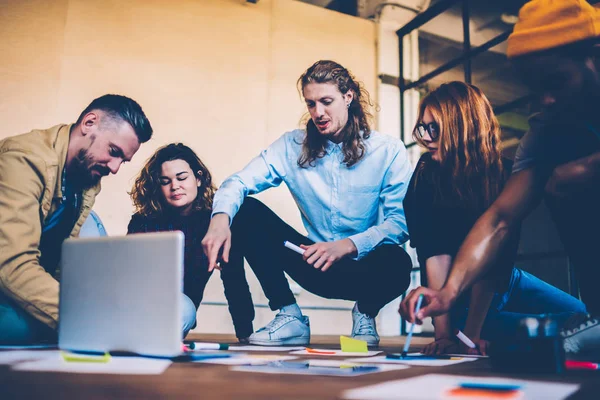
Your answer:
<point x="362" y="202"/>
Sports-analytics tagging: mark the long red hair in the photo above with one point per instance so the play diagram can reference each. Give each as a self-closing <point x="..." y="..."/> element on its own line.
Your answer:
<point x="468" y="143"/>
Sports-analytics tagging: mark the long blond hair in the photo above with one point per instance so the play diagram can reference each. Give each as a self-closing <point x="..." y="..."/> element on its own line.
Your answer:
<point x="468" y="143"/>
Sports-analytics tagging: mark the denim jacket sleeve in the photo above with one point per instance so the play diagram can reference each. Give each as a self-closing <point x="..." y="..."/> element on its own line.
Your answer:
<point x="392" y="229"/>
<point x="264" y="171"/>
<point x="22" y="186"/>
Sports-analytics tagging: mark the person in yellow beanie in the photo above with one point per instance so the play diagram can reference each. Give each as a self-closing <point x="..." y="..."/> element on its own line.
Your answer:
<point x="554" y="48"/>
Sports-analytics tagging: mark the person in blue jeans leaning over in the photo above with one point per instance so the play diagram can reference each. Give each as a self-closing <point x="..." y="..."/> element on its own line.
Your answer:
<point x="348" y="182"/>
<point x="174" y="192"/>
<point x="554" y="48"/>
<point x="455" y="181"/>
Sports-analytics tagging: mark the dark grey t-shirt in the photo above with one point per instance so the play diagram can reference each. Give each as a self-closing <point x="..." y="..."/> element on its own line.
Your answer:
<point x="551" y="142"/>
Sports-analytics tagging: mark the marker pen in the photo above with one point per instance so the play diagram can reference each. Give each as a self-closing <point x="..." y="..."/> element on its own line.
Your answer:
<point x="293" y="247"/>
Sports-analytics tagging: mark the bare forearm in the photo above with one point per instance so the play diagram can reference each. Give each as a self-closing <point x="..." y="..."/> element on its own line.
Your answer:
<point x="482" y="295"/>
<point x="478" y="252"/>
<point x="488" y="237"/>
<point x="438" y="268"/>
<point x="443" y="327"/>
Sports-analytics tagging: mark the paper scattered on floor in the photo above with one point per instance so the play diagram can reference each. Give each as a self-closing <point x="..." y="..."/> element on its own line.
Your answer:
<point x="349" y="345"/>
<point x="14" y="356"/>
<point x="336" y="368"/>
<point x="248" y="359"/>
<point x="281" y="349"/>
<point x="333" y="353"/>
<point x="425" y="362"/>
<point x="348" y="363"/>
<point x="438" y="386"/>
<point x="116" y="365"/>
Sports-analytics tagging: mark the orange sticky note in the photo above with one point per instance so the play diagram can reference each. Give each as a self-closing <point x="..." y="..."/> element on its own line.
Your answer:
<point x="350" y="345"/>
<point x="313" y="351"/>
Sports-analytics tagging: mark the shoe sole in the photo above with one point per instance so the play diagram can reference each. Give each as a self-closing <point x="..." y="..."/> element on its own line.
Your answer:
<point x="299" y="341"/>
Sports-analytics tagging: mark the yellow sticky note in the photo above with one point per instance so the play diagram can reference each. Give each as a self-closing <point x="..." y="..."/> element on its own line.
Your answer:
<point x="350" y="345"/>
<point x="76" y="357"/>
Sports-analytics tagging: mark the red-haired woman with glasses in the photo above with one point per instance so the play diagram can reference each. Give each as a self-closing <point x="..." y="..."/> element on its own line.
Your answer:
<point x="455" y="181"/>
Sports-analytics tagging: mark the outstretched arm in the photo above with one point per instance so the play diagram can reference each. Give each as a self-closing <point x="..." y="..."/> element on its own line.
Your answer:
<point x="265" y="171"/>
<point x="481" y="248"/>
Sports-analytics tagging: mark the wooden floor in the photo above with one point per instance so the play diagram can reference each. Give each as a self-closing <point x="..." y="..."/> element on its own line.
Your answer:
<point x="201" y="381"/>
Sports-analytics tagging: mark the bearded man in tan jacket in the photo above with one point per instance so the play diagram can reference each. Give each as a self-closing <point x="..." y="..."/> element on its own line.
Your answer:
<point x="49" y="180"/>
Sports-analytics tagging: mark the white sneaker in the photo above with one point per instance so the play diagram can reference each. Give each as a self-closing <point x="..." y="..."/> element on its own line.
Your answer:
<point x="582" y="337"/>
<point x="284" y="330"/>
<point x="364" y="327"/>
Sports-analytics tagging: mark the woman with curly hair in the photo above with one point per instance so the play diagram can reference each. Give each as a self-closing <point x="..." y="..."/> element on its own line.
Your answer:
<point x="455" y="181"/>
<point x="348" y="182"/>
<point x="174" y="192"/>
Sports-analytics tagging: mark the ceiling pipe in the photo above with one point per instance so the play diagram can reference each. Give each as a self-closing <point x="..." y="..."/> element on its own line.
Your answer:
<point x="380" y="7"/>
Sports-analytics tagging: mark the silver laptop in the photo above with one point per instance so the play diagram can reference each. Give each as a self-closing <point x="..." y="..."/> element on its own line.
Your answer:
<point x="122" y="294"/>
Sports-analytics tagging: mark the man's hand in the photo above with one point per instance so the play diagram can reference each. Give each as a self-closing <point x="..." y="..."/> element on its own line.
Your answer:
<point x="435" y="302"/>
<point x="324" y="254"/>
<point x="217" y="239"/>
<point x="441" y="346"/>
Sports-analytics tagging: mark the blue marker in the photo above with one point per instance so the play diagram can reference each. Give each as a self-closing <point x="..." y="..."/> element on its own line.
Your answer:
<point x="496" y="387"/>
<point x="412" y="327"/>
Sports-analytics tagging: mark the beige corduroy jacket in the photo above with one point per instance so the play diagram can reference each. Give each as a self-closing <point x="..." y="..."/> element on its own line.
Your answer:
<point x="31" y="168"/>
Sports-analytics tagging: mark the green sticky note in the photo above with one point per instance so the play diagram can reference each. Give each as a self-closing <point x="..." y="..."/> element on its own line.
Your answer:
<point x="350" y="345"/>
<point x="77" y="357"/>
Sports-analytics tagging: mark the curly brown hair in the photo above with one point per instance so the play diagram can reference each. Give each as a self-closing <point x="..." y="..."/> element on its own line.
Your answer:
<point x="353" y="147"/>
<point x="146" y="194"/>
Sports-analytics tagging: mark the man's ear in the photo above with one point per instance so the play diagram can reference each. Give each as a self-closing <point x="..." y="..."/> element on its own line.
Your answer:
<point x="89" y="120"/>
<point x="348" y="97"/>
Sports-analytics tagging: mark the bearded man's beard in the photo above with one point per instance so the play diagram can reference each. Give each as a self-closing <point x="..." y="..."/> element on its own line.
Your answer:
<point x="83" y="173"/>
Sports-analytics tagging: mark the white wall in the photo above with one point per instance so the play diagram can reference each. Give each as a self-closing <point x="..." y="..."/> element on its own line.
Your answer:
<point x="218" y="75"/>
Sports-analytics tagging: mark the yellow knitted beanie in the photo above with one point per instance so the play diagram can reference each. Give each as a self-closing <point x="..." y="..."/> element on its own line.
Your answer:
<point x="546" y="24"/>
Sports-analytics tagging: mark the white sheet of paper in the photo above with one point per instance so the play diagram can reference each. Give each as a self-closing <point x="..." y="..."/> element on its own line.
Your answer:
<point x="336" y="353"/>
<point x="116" y="365"/>
<point x="436" y="386"/>
<point x="416" y="363"/>
<point x="339" y="363"/>
<point x="14" y="356"/>
<point x="247" y="359"/>
<point x="334" y="364"/>
<point x="281" y="349"/>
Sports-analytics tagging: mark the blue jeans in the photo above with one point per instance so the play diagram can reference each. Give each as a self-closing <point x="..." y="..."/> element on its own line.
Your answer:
<point x="527" y="296"/>
<point x="188" y="313"/>
<point x="17" y="327"/>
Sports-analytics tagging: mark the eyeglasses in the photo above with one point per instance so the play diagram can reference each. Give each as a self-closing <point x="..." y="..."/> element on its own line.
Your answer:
<point x="432" y="129"/>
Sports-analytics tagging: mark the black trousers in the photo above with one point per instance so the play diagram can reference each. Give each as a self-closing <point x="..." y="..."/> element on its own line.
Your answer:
<point x="237" y="293"/>
<point x="258" y="235"/>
